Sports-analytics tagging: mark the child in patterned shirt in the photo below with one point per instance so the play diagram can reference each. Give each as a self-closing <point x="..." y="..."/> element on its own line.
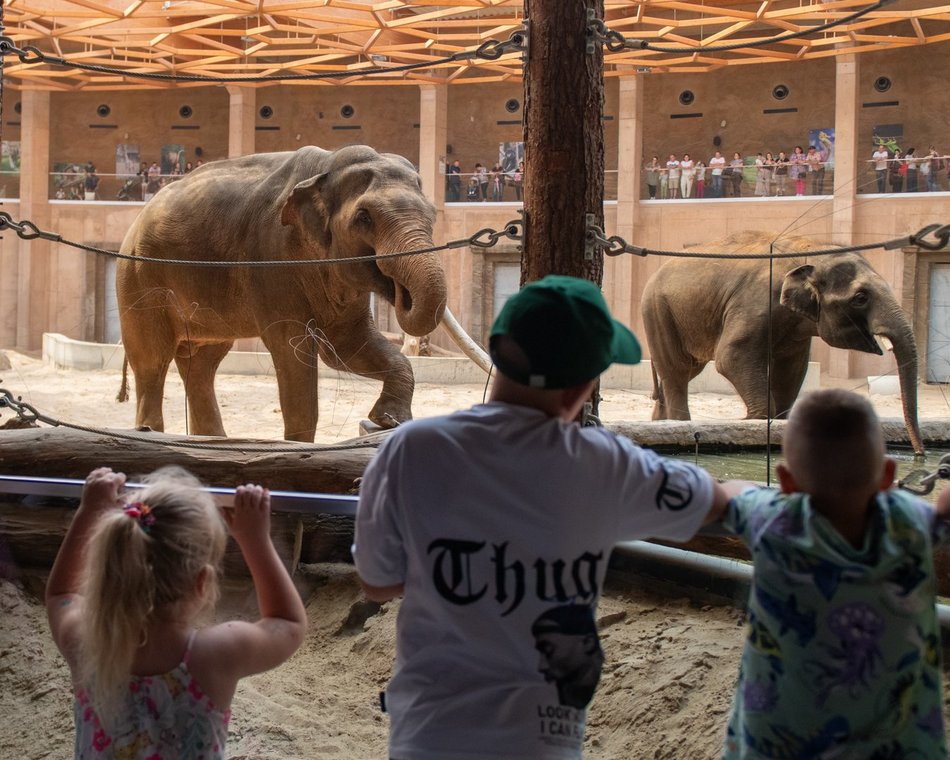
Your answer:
<point x="842" y="656"/>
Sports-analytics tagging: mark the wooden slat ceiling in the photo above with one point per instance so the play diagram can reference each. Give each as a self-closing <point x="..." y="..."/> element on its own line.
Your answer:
<point x="229" y="38"/>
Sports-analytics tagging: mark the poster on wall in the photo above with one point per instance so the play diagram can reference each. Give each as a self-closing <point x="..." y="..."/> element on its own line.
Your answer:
<point x="824" y="142"/>
<point x="173" y="159"/>
<point x="9" y="168"/>
<point x="510" y="154"/>
<point x="10" y="156"/>
<point x="889" y="135"/>
<point x="126" y="160"/>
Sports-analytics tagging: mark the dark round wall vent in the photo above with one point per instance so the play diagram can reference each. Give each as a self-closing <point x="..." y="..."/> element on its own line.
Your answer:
<point x="103" y="110"/>
<point x="347" y="111"/>
<point x="449" y="149"/>
<point x="717" y="141"/>
<point x="199" y="151"/>
<point x="512" y="105"/>
<point x="882" y="84"/>
<point x="687" y="97"/>
<point x="18" y="106"/>
<point x="266" y="112"/>
<point x="780" y="92"/>
<point x="185" y="112"/>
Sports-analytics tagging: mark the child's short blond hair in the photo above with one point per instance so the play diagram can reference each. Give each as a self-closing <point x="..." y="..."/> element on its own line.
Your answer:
<point x="833" y="443"/>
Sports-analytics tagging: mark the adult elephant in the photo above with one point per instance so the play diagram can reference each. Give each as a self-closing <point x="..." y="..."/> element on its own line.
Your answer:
<point x="351" y="204"/>
<point x="698" y="310"/>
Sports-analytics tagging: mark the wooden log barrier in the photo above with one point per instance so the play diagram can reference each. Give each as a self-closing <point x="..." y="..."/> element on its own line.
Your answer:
<point x="32" y="528"/>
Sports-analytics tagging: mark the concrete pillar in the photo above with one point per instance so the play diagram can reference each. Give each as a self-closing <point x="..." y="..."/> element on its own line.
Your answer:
<point x="433" y="133"/>
<point x="621" y="273"/>
<point x="433" y="137"/>
<point x="847" y="148"/>
<point x="241" y="120"/>
<point x="33" y="256"/>
<point x="841" y="363"/>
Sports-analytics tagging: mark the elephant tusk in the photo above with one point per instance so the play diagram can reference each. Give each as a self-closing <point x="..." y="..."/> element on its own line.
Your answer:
<point x="464" y="341"/>
<point x="885" y="342"/>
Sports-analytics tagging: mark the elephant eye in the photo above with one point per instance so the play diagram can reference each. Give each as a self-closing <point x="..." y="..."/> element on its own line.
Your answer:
<point x="362" y="217"/>
<point x="860" y="299"/>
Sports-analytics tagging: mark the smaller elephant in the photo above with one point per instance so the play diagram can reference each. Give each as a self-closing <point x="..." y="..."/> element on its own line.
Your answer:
<point x="698" y="310"/>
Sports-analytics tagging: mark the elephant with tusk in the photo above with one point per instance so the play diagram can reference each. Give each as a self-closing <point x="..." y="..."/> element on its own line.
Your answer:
<point x="352" y="204"/>
<point x="700" y="310"/>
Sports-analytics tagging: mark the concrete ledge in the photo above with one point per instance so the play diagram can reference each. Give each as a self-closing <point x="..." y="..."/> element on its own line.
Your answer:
<point x="66" y="353"/>
<point x="676" y="435"/>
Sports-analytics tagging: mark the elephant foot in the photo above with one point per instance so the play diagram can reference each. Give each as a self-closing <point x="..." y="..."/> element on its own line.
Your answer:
<point x="390" y="415"/>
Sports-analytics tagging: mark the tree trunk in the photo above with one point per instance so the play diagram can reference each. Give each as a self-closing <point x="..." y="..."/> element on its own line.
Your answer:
<point x="564" y="140"/>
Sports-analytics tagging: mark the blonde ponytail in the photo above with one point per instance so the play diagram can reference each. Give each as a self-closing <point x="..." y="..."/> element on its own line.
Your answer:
<point x="118" y="594"/>
<point x="140" y="563"/>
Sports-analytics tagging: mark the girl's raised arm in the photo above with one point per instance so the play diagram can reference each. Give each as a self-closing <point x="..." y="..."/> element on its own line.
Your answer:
<point x="100" y="495"/>
<point x="243" y="648"/>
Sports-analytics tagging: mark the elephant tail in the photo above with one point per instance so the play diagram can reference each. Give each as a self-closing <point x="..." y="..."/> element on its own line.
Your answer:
<point x="657" y="388"/>
<point x="123" y="394"/>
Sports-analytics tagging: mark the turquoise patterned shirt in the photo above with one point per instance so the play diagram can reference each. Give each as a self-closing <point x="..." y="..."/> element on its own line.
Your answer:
<point x="842" y="656"/>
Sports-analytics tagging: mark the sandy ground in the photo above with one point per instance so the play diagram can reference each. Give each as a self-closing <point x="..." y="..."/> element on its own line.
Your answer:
<point x="671" y="662"/>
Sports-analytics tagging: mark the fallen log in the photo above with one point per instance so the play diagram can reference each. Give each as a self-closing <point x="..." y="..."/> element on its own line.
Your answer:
<point x="31" y="528"/>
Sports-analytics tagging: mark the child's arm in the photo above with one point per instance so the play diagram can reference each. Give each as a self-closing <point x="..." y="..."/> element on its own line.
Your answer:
<point x="723" y="493"/>
<point x="100" y="494"/>
<point x="245" y="648"/>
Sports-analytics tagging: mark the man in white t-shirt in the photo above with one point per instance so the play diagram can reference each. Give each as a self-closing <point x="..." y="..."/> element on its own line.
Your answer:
<point x="496" y="524"/>
<point x="673" y="173"/>
<point x="717" y="163"/>
<point x="879" y="157"/>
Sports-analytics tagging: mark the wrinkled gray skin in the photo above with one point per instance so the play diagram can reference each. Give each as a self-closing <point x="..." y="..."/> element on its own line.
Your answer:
<point x="696" y="311"/>
<point x="311" y="203"/>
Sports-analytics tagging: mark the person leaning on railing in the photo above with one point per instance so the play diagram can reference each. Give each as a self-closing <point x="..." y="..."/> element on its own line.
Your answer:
<point x="652" y="175"/>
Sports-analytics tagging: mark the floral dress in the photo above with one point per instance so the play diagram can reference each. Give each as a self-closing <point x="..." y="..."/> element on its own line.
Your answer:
<point x="842" y="656"/>
<point x="166" y="717"/>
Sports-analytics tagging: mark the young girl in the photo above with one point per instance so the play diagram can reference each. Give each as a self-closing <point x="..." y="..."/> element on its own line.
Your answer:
<point x="131" y="577"/>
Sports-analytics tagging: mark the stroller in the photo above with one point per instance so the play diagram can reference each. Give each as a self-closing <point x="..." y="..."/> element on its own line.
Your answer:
<point x="131" y="190"/>
<point x="473" y="193"/>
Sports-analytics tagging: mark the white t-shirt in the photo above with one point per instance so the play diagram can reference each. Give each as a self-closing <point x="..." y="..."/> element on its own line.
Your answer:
<point x="492" y="517"/>
<point x="880" y="160"/>
<point x="673" y="166"/>
<point x="687" y="166"/>
<point x="717" y="164"/>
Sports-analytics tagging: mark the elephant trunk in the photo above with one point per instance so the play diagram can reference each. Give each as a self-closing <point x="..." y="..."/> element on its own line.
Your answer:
<point x="419" y="289"/>
<point x="898" y="331"/>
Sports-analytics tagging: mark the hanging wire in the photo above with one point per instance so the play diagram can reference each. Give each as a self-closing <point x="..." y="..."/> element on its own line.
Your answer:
<point x="615" y="42"/>
<point x="490" y="50"/>
<point x="615" y="245"/>
<point x="484" y="238"/>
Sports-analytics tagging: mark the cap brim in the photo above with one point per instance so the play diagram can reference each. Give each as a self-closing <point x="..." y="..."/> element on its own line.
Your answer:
<point x="626" y="347"/>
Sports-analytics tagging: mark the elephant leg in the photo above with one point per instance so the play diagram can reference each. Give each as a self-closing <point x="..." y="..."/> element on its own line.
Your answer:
<point x="295" y="364"/>
<point x="197" y="366"/>
<point x="738" y="363"/>
<point x="149" y="353"/>
<point x="788" y="374"/>
<point x="365" y="352"/>
<point x="673" y="401"/>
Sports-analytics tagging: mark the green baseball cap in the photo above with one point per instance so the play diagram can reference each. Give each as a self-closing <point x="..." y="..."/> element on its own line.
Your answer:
<point x="565" y="332"/>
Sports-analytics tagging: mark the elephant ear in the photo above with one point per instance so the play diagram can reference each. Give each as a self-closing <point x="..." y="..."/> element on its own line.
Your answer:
<point x="306" y="193"/>
<point x="799" y="293"/>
